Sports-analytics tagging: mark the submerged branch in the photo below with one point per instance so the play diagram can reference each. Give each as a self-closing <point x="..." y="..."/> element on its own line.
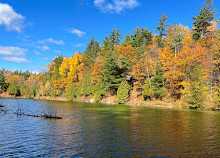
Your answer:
<point x="47" y="116"/>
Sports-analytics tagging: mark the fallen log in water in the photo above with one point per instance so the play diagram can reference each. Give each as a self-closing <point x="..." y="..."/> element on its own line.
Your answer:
<point x="1" y="106"/>
<point x="50" y="116"/>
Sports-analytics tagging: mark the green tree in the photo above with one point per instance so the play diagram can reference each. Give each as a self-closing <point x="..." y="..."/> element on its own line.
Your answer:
<point x="13" y="89"/>
<point x="27" y="90"/>
<point x="141" y="37"/>
<point x="99" y="91"/>
<point x="2" y="81"/>
<point x="92" y="50"/>
<point x="158" y="82"/>
<point x="110" y="41"/>
<point x="128" y="38"/>
<point x="85" y="87"/>
<point x="202" y="22"/>
<point x="123" y="92"/>
<point x="71" y="92"/>
<point x="147" y="90"/>
<point x="162" y="29"/>
<point x="196" y="88"/>
<point x="115" y="37"/>
<point x="107" y="45"/>
<point x="115" y="71"/>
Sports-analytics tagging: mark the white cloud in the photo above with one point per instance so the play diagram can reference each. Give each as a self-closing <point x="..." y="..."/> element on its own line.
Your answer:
<point x="57" y="51"/>
<point x="78" y="45"/>
<point x="43" y="48"/>
<point x="36" y="52"/>
<point x="16" y="59"/>
<point x="116" y="6"/>
<point x="77" y="32"/>
<point x="12" y="51"/>
<point x="51" y="40"/>
<point x="45" y="58"/>
<point x="10" y="19"/>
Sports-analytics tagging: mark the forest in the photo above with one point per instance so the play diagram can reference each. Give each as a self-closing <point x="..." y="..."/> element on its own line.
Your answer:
<point x="171" y="64"/>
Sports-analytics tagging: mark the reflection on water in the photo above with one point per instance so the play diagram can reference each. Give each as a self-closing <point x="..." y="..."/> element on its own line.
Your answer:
<point x="97" y="130"/>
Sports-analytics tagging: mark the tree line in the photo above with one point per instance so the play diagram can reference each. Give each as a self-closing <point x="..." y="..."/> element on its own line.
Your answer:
<point x="174" y="64"/>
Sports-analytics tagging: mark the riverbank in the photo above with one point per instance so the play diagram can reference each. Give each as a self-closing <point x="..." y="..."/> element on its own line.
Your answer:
<point x="108" y="100"/>
<point x="113" y="100"/>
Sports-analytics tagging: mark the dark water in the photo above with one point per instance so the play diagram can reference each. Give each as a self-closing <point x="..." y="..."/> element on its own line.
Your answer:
<point x="97" y="130"/>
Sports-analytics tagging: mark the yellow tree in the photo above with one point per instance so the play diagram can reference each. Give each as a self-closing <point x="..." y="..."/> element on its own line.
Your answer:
<point x="172" y="74"/>
<point x="64" y="71"/>
<point x="75" y="73"/>
<point x="42" y="80"/>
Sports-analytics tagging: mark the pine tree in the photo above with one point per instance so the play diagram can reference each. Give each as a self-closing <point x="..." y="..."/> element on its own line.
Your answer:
<point x="123" y="92"/>
<point x="13" y="89"/>
<point x="114" y="74"/>
<point x="85" y="87"/>
<point x="99" y="91"/>
<point x="147" y="90"/>
<point x="158" y="82"/>
<point x="162" y="29"/>
<point x="92" y="50"/>
<point x="71" y="92"/>
<point x="115" y="37"/>
<point x="2" y="80"/>
<point x="141" y="37"/>
<point x="202" y="22"/>
<point x="196" y="89"/>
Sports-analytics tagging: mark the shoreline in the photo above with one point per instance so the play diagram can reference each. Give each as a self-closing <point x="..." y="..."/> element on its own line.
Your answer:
<point x="104" y="101"/>
<point x="156" y="103"/>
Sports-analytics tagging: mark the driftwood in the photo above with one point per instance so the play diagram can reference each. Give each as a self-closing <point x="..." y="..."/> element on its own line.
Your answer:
<point x="1" y="106"/>
<point x="47" y="116"/>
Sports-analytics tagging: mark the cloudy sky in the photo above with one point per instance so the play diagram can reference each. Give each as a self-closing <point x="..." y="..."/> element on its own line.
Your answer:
<point x="33" y="32"/>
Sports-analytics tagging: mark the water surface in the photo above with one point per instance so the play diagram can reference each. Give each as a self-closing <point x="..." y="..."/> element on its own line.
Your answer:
<point x="98" y="130"/>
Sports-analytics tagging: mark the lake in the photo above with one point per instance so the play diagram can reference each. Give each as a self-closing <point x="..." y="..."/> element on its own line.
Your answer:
<point x="99" y="130"/>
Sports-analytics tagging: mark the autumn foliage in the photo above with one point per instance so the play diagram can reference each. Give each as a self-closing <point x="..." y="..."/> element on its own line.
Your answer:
<point x="171" y="65"/>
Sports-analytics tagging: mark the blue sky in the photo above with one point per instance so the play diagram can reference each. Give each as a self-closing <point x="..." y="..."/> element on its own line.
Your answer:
<point x="33" y="32"/>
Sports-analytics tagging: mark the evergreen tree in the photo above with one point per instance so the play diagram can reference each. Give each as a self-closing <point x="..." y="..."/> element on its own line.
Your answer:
<point x="2" y="81"/>
<point x="158" y="82"/>
<point x="128" y="37"/>
<point x="141" y="37"/>
<point x="71" y="92"/>
<point x="147" y="90"/>
<point x="85" y="87"/>
<point x="115" y="70"/>
<point x="13" y="89"/>
<point x="123" y="92"/>
<point x="162" y="29"/>
<point x="92" y="50"/>
<point x="99" y="91"/>
<point x="115" y="37"/>
<point x="27" y="90"/>
<point x="108" y="46"/>
<point x="202" y="22"/>
<point x="196" y="88"/>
